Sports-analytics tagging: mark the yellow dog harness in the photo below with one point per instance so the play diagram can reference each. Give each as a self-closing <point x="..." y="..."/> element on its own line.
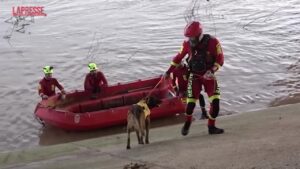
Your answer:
<point x="143" y="104"/>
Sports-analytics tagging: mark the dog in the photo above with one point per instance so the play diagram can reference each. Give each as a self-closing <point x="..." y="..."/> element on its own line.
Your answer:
<point x="138" y="119"/>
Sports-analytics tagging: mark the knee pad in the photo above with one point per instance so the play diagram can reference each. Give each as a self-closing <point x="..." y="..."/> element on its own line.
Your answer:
<point x="215" y="108"/>
<point x="190" y="108"/>
<point x="201" y="101"/>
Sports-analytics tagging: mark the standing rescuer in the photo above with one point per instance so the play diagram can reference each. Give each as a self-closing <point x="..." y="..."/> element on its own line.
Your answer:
<point x="205" y="57"/>
<point x="48" y="84"/>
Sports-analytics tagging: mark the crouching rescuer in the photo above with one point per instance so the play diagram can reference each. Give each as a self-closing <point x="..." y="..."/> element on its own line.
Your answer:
<point x="205" y="57"/>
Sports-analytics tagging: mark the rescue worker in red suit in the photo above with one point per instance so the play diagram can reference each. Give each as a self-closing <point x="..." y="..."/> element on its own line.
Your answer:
<point x="94" y="80"/>
<point x="205" y="57"/>
<point x="180" y="82"/>
<point x="179" y="79"/>
<point x="48" y="84"/>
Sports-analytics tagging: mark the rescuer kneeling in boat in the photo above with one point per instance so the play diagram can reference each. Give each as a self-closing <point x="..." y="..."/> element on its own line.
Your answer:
<point x="94" y="80"/>
<point x="48" y="84"/>
<point x="179" y="77"/>
<point x="205" y="57"/>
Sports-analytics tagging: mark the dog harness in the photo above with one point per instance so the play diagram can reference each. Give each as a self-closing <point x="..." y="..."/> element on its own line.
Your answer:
<point x="143" y="104"/>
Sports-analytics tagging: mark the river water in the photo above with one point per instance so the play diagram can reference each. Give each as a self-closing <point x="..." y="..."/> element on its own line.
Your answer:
<point x="133" y="39"/>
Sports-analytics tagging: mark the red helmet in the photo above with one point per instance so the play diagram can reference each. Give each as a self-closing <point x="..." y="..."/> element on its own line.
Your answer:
<point x="193" y="29"/>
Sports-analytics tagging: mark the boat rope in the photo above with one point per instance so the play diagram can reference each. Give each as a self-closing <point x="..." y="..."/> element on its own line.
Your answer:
<point x="39" y="120"/>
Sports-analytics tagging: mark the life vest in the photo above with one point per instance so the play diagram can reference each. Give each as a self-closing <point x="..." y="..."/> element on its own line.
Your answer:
<point x="199" y="61"/>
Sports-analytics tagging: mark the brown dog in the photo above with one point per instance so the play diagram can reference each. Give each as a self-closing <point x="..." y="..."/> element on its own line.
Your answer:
<point x="138" y="119"/>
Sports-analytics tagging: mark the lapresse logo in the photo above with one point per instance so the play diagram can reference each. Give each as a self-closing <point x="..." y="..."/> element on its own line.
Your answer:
<point x="28" y="11"/>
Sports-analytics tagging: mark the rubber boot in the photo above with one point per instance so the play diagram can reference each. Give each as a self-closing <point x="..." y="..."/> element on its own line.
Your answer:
<point x="185" y="128"/>
<point x="204" y="113"/>
<point x="215" y="130"/>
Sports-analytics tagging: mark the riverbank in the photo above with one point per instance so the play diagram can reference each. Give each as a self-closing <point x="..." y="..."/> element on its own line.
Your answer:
<point x="267" y="138"/>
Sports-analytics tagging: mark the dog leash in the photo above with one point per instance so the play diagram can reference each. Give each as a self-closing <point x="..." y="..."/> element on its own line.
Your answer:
<point x="161" y="79"/>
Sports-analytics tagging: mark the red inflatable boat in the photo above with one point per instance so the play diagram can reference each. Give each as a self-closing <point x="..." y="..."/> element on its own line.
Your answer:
<point x="79" y="112"/>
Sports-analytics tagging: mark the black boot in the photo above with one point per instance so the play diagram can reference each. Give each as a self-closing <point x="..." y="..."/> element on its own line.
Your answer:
<point x="185" y="128"/>
<point x="204" y="114"/>
<point x="215" y="130"/>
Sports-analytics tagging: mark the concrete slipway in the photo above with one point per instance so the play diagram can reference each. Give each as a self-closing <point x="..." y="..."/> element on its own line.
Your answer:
<point x="266" y="139"/>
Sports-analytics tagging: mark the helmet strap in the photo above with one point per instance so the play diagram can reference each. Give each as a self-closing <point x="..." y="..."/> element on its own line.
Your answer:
<point x="201" y="37"/>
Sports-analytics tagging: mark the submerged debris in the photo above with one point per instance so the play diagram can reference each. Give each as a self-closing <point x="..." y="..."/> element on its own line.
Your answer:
<point x="19" y="24"/>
